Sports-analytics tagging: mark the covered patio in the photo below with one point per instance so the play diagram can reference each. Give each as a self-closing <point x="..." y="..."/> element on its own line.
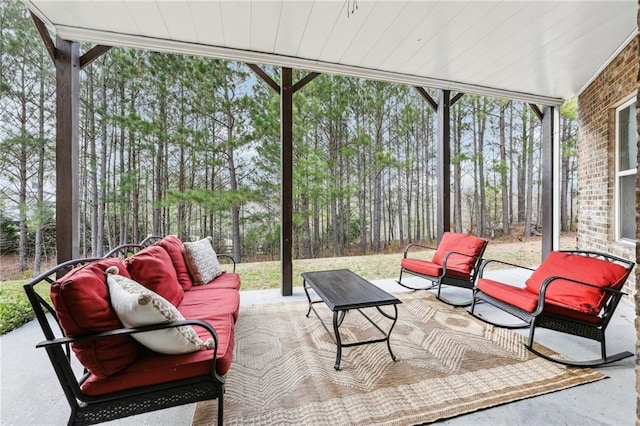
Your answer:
<point x="537" y="52"/>
<point x="33" y="396"/>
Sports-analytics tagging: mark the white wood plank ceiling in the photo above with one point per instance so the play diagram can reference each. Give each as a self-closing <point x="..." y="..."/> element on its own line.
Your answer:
<point x="536" y="51"/>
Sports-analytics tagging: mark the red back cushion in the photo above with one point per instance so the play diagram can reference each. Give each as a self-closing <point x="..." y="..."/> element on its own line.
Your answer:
<point x="581" y="268"/>
<point x="173" y="245"/>
<point x="81" y="301"/>
<point x="152" y="267"/>
<point x="461" y="243"/>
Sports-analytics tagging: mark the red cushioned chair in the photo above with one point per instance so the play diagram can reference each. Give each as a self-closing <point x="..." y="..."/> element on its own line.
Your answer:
<point x="574" y="292"/>
<point x="454" y="263"/>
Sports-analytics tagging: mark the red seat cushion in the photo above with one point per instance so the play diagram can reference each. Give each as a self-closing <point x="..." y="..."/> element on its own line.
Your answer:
<point x="582" y="268"/>
<point x="173" y="245"/>
<point x="152" y="368"/>
<point x="528" y="301"/>
<point x="512" y="295"/>
<point x="425" y="267"/>
<point x="469" y="245"/>
<point x="201" y="300"/>
<point x="81" y="301"/>
<point x="152" y="267"/>
<point x="230" y="280"/>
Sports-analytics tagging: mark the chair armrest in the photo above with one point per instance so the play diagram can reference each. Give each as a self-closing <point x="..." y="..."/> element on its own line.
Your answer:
<point x="449" y="253"/>
<point x="228" y="257"/>
<point x="556" y="278"/>
<point x="406" y="250"/>
<point x="446" y="256"/>
<point x="486" y="262"/>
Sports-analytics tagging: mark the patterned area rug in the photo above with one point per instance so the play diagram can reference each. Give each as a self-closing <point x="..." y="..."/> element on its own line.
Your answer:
<point x="448" y="364"/>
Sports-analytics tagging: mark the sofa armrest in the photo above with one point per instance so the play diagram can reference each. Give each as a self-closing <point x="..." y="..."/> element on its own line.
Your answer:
<point x="226" y="256"/>
<point x="132" y="330"/>
<point x="150" y="240"/>
<point x="123" y="251"/>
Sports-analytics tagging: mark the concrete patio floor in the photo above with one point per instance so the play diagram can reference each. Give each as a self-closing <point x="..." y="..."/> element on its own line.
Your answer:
<point x="31" y="394"/>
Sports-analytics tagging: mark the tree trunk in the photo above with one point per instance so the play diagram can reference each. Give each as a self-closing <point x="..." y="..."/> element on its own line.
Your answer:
<point x="529" y="202"/>
<point x="37" y="261"/>
<point x="233" y="187"/>
<point x="23" y="175"/>
<point x="457" y="167"/>
<point x="504" y="183"/>
<point x="522" y="169"/>
<point x="101" y="196"/>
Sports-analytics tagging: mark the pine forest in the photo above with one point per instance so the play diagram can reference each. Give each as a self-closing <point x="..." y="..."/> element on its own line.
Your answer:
<point x="185" y="145"/>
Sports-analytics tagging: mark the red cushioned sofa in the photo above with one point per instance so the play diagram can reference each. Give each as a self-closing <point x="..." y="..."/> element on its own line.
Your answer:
<point x="119" y="377"/>
<point x="574" y="292"/>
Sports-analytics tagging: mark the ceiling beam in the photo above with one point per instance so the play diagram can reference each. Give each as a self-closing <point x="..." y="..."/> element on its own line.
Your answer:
<point x="536" y="109"/>
<point x="456" y="98"/>
<point x="304" y="81"/>
<point x="46" y="38"/>
<point x="427" y="97"/>
<point x="94" y="53"/>
<point x="264" y="76"/>
<point x="252" y="57"/>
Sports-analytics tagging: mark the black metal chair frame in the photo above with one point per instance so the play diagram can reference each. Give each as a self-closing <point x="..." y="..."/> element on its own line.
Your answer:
<point x="86" y="409"/>
<point x="443" y="279"/>
<point x="544" y="319"/>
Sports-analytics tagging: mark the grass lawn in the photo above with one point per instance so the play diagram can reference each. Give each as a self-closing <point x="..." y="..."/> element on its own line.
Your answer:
<point x="265" y="275"/>
<point x="15" y="309"/>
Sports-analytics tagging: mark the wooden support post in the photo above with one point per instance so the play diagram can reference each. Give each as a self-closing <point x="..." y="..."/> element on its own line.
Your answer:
<point x="286" y="181"/>
<point x="550" y="184"/>
<point x="286" y="91"/>
<point x="443" y="215"/>
<point x="67" y="60"/>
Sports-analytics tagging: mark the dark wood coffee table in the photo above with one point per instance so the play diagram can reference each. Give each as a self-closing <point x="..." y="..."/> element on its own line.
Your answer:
<point x="342" y="290"/>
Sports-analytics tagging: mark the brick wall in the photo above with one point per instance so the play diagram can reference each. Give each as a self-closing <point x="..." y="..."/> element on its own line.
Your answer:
<point x="596" y="169"/>
<point x="596" y="157"/>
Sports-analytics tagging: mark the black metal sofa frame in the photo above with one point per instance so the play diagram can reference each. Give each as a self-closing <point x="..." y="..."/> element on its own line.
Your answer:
<point x="87" y="409"/>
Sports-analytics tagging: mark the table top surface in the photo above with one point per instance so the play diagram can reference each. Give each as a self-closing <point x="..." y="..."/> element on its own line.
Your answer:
<point x="343" y="289"/>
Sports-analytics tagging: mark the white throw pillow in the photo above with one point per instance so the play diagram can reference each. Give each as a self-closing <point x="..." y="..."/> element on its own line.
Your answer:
<point x="202" y="261"/>
<point x="136" y="306"/>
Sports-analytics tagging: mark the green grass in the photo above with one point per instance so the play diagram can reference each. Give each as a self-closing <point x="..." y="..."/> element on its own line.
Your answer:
<point x="264" y="275"/>
<point x="15" y="309"/>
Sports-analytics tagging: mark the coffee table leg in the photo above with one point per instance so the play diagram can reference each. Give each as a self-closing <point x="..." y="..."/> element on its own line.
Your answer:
<point x="336" y="324"/>
<point x="395" y="318"/>
<point x="306" y="291"/>
<point x="387" y="335"/>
